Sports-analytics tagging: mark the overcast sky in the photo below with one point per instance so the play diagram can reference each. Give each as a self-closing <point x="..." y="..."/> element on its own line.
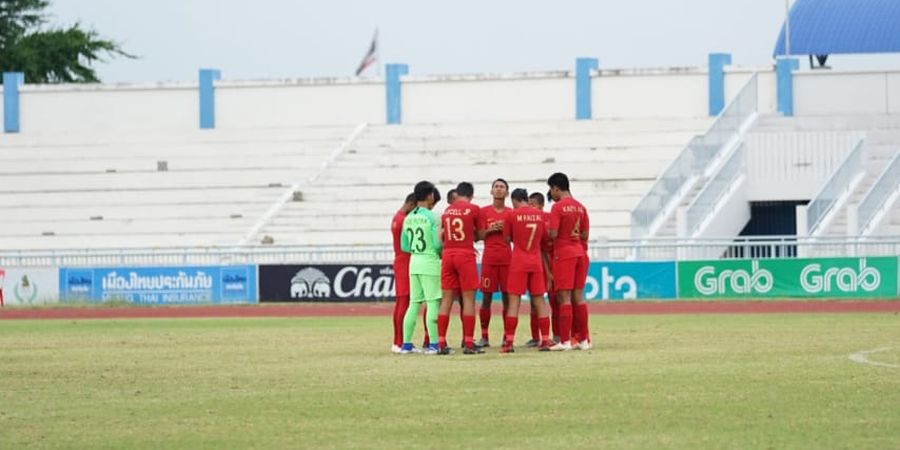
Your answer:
<point x="312" y="38"/>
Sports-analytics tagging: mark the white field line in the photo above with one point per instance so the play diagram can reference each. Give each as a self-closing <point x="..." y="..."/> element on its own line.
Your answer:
<point x="862" y="357"/>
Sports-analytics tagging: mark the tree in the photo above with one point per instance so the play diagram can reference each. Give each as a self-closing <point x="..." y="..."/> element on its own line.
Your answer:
<point x="49" y="55"/>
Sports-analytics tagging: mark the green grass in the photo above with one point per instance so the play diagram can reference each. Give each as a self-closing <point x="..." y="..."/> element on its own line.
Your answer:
<point x="743" y="382"/>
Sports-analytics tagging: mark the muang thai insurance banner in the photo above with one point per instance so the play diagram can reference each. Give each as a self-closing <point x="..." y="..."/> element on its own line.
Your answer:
<point x="160" y="285"/>
<point x="825" y="277"/>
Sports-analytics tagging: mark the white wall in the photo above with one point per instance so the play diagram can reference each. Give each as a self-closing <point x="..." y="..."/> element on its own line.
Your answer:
<point x="289" y="104"/>
<point x="824" y="92"/>
<point x="616" y="94"/>
<point x="53" y="109"/>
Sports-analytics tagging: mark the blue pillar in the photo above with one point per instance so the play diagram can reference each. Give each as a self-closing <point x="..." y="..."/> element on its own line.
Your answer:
<point x="11" y="82"/>
<point x="583" y="68"/>
<point x="784" y="68"/>
<point x="208" y="98"/>
<point x="717" y="63"/>
<point x="393" y="72"/>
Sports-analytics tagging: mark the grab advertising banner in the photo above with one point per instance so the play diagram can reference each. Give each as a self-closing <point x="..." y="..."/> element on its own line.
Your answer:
<point x="772" y="278"/>
<point x="160" y="285"/>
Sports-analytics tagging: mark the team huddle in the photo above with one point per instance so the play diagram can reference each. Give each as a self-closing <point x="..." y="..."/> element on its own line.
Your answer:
<point x="525" y="250"/>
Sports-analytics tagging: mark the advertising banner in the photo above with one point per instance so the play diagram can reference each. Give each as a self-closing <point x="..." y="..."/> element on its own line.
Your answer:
<point x="22" y="286"/>
<point x="160" y="285"/>
<point x="630" y="281"/>
<point x="770" y="278"/>
<point x="326" y="282"/>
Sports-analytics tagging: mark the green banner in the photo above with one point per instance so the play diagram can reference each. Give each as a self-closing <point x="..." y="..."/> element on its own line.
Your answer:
<point x="766" y="278"/>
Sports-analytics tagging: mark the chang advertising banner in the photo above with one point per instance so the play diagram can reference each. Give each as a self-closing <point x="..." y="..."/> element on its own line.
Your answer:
<point x="29" y="285"/>
<point x="160" y="285"/>
<point x="326" y="282"/>
<point x="630" y="281"/>
<point x="766" y="278"/>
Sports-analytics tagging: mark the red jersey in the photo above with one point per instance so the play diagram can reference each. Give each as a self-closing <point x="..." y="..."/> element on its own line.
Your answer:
<point x="396" y="227"/>
<point x="548" y="244"/>
<point x="525" y="226"/>
<point x="459" y="222"/>
<point x="569" y="218"/>
<point x="496" y="249"/>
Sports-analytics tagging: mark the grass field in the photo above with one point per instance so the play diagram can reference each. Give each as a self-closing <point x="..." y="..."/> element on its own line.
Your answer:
<point x="711" y="381"/>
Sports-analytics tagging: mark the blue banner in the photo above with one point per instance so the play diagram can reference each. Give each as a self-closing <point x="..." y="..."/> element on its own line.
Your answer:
<point x="160" y="285"/>
<point x="630" y="281"/>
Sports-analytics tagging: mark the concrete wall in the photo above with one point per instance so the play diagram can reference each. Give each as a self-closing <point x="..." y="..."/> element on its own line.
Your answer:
<point x="825" y="92"/>
<point x="615" y="94"/>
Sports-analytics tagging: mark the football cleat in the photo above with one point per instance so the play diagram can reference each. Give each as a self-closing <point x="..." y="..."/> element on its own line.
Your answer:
<point x="584" y="345"/>
<point x="473" y="350"/>
<point x="545" y="346"/>
<point x="532" y="343"/>
<point x="395" y="349"/>
<point x="431" y="350"/>
<point x="562" y="347"/>
<point x="445" y="351"/>
<point x="483" y="342"/>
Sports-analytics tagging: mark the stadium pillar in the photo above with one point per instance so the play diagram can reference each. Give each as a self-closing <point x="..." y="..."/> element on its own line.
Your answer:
<point x="208" y="98"/>
<point x="393" y="72"/>
<point x="583" y="68"/>
<point x="717" y="63"/>
<point x="784" y="68"/>
<point x="11" y="83"/>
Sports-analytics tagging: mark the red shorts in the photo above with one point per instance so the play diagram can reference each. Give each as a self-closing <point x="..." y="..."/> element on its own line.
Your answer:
<point x="459" y="273"/>
<point x="532" y="281"/>
<point x="401" y="279"/>
<point x="569" y="273"/>
<point x="493" y="278"/>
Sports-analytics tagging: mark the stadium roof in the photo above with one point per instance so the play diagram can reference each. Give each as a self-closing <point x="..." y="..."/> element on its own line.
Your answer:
<point x="825" y="27"/>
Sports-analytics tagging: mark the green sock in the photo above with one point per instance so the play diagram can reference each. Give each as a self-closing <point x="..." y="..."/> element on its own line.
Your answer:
<point x="431" y="319"/>
<point x="409" y="321"/>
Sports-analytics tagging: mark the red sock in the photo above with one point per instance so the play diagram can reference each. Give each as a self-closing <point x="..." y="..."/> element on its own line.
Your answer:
<point x="535" y="332"/>
<point x="400" y="307"/>
<point x="577" y="332"/>
<point x="425" y="326"/>
<point x="509" y="329"/>
<point x="443" y="324"/>
<point x="554" y="315"/>
<point x="485" y="315"/>
<point x="583" y="315"/>
<point x="468" y="323"/>
<point x="544" y="324"/>
<point x="565" y="322"/>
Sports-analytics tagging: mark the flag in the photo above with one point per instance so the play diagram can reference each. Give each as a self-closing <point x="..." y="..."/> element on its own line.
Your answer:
<point x="371" y="56"/>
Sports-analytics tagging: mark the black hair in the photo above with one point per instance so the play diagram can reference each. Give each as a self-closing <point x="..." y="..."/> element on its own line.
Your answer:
<point x="559" y="180"/>
<point x="549" y="197"/>
<point x="465" y="189"/>
<point x="437" y="195"/>
<point x="538" y="197"/>
<point x="411" y="198"/>
<point x="519" y="194"/>
<point x="451" y="193"/>
<point x="423" y="189"/>
<point x="502" y="181"/>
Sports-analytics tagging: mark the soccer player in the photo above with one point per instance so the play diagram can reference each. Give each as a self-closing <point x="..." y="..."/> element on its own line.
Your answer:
<point x="459" y="272"/>
<point x="495" y="261"/>
<point x="536" y="200"/>
<point x="421" y="237"/>
<point x="401" y="272"/>
<point x="524" y="227"/>
<point x="569" y="226"/>
<point x="451" y="197"/>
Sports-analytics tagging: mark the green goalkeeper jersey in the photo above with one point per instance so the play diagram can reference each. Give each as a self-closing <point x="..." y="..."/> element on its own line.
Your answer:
<point x="421" y="239"/>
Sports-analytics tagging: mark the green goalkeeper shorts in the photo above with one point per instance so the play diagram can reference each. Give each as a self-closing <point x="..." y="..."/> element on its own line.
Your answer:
<point x="424" y="288"/>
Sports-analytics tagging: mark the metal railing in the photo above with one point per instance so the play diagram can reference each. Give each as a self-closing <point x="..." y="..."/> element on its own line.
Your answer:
<point x="888" y="183"/>
<point x="838" y="184"/>
<point x="705" y="203"/>
<point x="612" y="250"/>
<point x="694" y="158"/>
